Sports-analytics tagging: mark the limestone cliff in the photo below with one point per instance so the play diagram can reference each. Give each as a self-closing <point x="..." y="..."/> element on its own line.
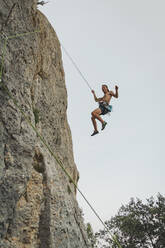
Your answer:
<point x="38" y="207"/>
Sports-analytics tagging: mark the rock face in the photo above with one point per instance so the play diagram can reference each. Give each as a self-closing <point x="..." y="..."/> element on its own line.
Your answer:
<point x="38" y="207"/>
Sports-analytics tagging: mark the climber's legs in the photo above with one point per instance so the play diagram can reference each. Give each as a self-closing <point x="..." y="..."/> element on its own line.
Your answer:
<point x="96" y="115"/>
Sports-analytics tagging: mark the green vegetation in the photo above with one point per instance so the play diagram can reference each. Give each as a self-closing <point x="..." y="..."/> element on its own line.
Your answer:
<point x="91" y="236"/>
<point x="137" y="225"/>
<point x="36" y="115"/>
<point x="69" y="190"/>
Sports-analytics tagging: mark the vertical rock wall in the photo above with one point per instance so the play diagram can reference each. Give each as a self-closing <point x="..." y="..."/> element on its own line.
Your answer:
<point x="38" y="207"/>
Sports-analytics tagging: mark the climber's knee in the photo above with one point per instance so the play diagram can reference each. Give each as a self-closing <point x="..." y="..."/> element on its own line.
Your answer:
<point x="93" y="114"/>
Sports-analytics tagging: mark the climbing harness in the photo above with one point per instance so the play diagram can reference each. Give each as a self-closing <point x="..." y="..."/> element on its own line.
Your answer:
<point x="105" y="108"/>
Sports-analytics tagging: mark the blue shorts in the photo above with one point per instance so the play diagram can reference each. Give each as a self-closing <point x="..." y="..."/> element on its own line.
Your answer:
<point x="105" y="108"/>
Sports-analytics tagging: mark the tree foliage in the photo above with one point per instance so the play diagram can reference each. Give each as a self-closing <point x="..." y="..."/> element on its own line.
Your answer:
<point x="137" y="225"/>
<point x="91" y="236"/>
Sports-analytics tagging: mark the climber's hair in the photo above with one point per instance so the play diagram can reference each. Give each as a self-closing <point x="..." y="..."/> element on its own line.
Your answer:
<point x="105" y="86"/>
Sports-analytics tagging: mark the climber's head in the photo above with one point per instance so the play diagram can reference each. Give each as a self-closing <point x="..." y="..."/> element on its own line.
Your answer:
<point x="105" y="88"/>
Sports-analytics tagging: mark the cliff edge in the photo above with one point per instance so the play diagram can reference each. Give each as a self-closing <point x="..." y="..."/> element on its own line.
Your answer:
<point x="38" y="207"/>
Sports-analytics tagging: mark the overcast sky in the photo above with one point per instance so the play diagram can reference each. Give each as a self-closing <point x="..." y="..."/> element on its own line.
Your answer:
<point x="118" y="42"/>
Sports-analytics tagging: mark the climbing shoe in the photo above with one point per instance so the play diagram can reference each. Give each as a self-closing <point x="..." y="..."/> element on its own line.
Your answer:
<point x="94" y="133"/>
<point x="104" y="125"/>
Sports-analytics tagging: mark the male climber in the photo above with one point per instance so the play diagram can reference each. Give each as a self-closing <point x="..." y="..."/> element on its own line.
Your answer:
<point x="104" y="106"/>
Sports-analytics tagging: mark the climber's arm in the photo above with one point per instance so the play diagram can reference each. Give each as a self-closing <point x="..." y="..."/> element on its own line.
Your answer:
<point x="96" y="99"/>
<point x="116" y="95"/>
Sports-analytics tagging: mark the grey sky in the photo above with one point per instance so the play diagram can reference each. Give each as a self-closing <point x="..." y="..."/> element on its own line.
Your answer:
<point x="121" y="42"/>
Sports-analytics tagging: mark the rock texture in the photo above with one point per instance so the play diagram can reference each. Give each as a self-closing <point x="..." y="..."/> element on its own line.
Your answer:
<point x="38" y="207"/>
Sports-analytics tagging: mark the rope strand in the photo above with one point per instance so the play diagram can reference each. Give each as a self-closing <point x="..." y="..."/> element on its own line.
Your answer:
<point x="3" y="58"/>
<point x="23" y="34"/>
<point x="77" y="68"/>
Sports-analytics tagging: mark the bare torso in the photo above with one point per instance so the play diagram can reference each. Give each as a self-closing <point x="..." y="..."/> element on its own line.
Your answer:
<point x="107" y="97"/>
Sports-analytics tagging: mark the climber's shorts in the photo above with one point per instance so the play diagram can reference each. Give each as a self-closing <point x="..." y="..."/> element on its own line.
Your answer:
<point x="105" y="108"/>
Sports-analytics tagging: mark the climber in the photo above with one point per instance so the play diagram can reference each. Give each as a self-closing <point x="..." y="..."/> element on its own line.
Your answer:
<point x="104" y="106"/>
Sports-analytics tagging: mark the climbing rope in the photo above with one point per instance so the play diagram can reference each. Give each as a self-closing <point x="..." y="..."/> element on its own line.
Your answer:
<point x="59" y="162"/>
<point x="23" y="34"/>
<point x="3" y="58"/>
<point x="6" y="38"/>
<point x="77" y="68"/>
